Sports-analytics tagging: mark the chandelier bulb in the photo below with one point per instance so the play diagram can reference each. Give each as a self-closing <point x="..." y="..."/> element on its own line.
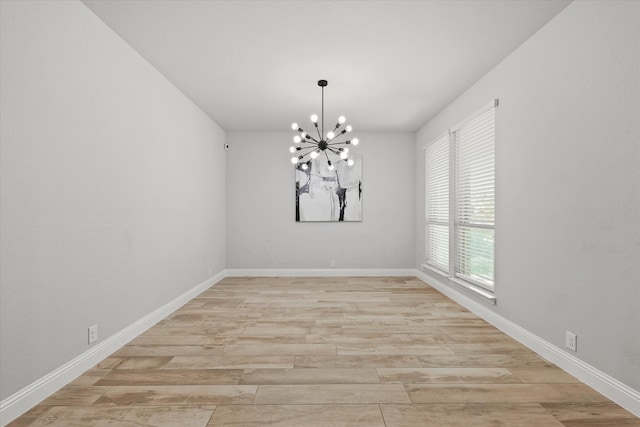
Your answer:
<point x="294" y="160"/>
<point x="297" y="139"/>
<point x="348" y="128"/>
<point x="350" y="162"/>
<point x="355" y="141"/>
<point x="314" y="154"/>
<point x="331" y="167"/>
<point x="343" y="155"/>
<point x="304" y="166"/>
<point x="330" y="135"/>
<point x="346" y="150"/>
<point x="294" y="126"/>
<point x="314" y="118"/>
<point x="292" y="149"/>
<point x="341" y="119"/>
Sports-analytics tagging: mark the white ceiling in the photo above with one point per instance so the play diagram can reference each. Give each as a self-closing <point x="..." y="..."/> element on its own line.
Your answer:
<point x="391" y="65"/>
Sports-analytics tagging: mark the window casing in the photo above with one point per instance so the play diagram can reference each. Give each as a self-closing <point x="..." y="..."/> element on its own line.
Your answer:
<point x="460" y="203"/>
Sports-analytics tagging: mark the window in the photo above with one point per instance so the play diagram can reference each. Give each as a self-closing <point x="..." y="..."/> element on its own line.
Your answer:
<point x="460" y="178"/>
<point x="437" y="204"/>
<point x="475" y="200"/>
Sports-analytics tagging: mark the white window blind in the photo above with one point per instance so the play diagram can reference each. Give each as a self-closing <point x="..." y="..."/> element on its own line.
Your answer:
<point x="474" y="219"/>
<point x="437" y="204"/>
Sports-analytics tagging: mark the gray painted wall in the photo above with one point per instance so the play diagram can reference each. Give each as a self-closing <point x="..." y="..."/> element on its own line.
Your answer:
<point x="261" y="227"/>
<point x="112" y="187"/>
<point x="567" y="182"/>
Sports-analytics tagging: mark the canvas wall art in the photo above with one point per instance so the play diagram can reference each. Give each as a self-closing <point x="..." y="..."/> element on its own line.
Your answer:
<point x="329" y="195"/>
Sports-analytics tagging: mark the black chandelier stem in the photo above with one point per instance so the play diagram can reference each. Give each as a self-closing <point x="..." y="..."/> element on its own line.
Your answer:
<point x="322" y="112"/>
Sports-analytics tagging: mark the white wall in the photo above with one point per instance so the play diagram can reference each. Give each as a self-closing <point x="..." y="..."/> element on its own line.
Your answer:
<point x="112" y="186"/>
<point x="567" y="182"/>
<point x="261" y="227"/>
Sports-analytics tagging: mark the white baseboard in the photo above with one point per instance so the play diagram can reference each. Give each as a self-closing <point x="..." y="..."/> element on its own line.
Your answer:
<point x="604" y="384"/>
<point x="20" y="402"/>
<point x="319" y="272"/>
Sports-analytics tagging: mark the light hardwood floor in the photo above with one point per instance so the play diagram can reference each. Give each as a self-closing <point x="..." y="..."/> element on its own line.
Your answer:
<point x="382" y="351"/>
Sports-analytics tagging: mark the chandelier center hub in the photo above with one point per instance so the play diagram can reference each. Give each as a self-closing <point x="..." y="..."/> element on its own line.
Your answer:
<point x="322" y="145"/>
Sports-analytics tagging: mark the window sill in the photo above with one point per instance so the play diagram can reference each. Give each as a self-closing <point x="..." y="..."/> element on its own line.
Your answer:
<point x="432" y="269"/>
<point x="477" y="291"/>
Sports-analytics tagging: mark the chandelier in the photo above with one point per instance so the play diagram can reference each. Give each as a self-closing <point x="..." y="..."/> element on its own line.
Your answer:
<point x="324" y="145"/>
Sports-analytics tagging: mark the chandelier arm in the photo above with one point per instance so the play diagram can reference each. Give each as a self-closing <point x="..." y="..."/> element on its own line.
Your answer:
<point x="311" y="138"/>
<point x="340" y="143"/>
<point x="302" y="131"/>
<point x="327" y="156"/>
<point x="318" y="130"/>
<point x="337" y="135"/>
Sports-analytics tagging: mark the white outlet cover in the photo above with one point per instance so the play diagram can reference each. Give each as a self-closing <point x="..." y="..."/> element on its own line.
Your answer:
<point x="93" y="334"/>
<point x="571" y="341"/>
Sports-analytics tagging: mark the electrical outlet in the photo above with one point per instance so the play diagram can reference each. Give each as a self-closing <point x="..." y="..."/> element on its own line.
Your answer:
<point x="333" y="263"/>
<point x="93" y="334"/>
<point x="571" y="341"/>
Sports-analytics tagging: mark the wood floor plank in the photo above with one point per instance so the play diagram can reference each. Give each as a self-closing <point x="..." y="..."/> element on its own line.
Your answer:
<point x="543" y="375"/>
<point x="83" y="416"/>
<point x="297" y="415"/>
<point x="279" y="349"/>
<point x="446" y="375"/>
<point x="601" y="414"/>
<point x="178" y="395"/>
<point x="75" y="395"/>
<point x="343" y="351"/>
<point x="465" y="415"/>
<point x="331" y="393"/>
<point x="403" y="349"/>
<point x="358" y="361"/>
<point x="309" y="376"/>
<point x="489" y="393"/>
<point x="170" y="377"/>
<point x="143" y="362"/>
<point x="231" y="362"/>
<point x="169" y="350"/>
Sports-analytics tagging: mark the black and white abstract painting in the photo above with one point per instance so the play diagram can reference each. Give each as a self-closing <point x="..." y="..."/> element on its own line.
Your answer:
<point x="329" y="195"/>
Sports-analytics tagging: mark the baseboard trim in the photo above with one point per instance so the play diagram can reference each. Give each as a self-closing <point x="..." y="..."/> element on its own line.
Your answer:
<point x="319" y="272"/>
<point x="608" y="386"/>
<point x="20" y="402"/>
